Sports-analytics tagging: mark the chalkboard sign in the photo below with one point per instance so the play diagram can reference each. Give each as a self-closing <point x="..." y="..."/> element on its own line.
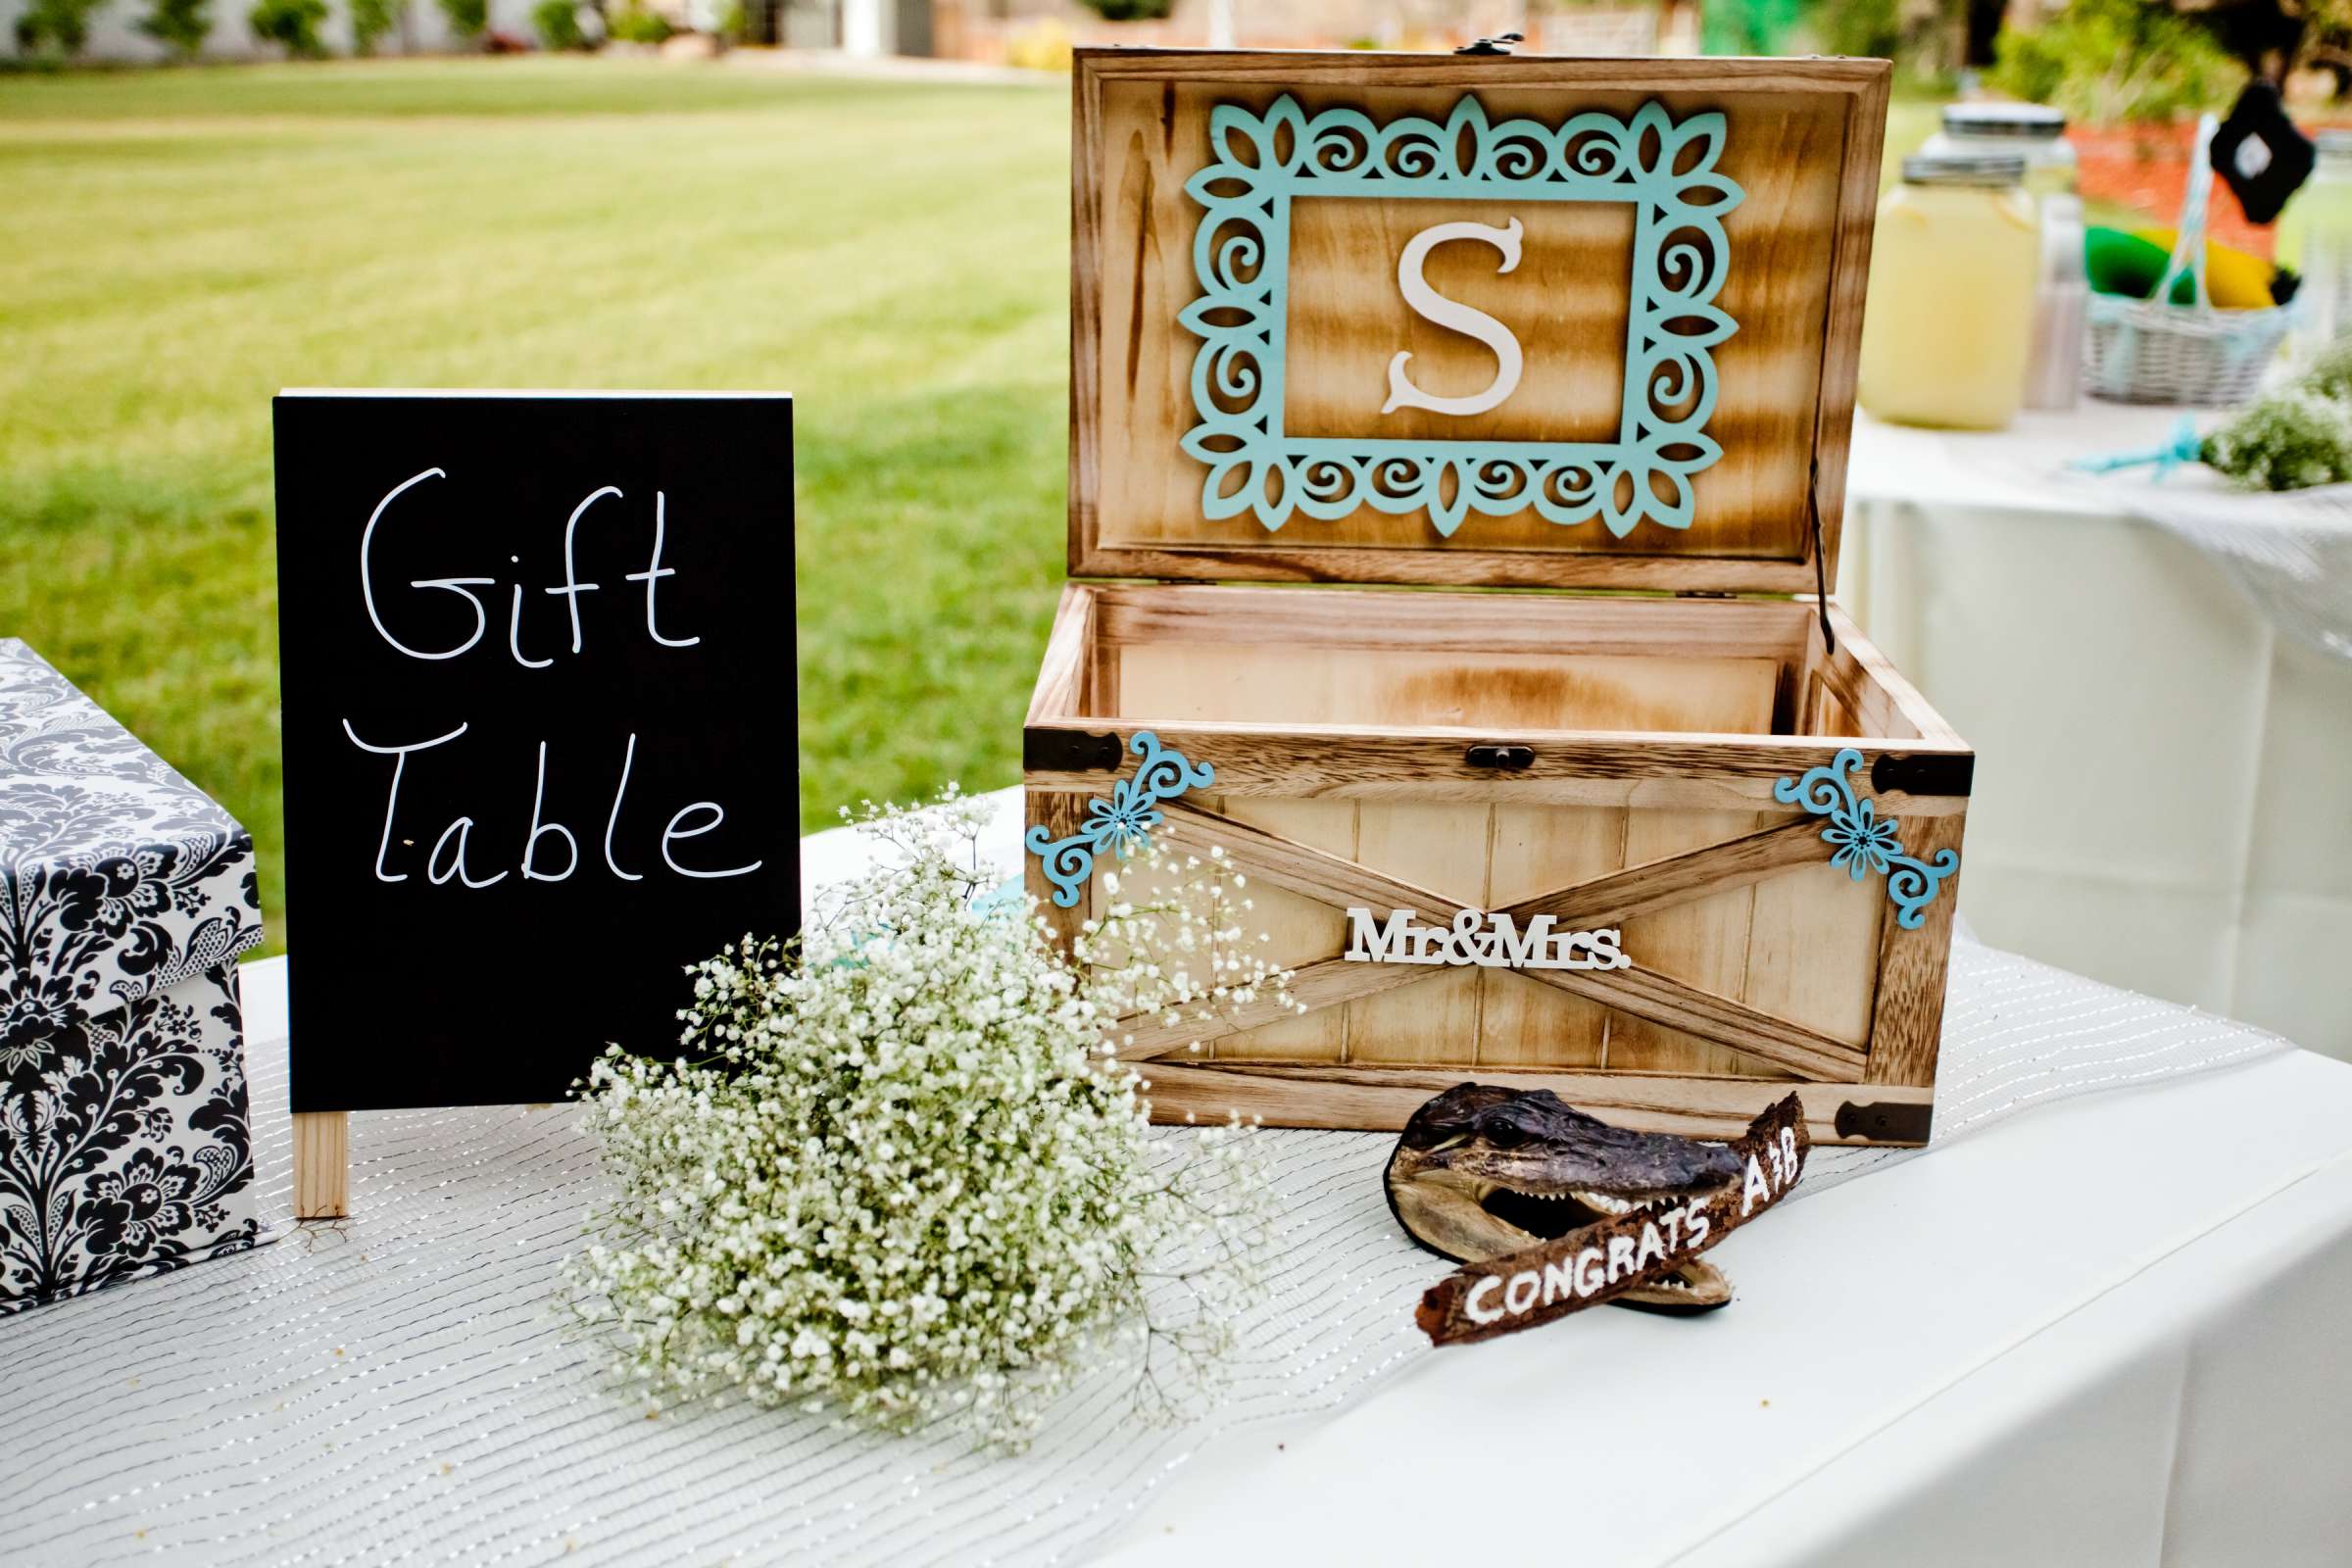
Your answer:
<point x="540" y="727"/>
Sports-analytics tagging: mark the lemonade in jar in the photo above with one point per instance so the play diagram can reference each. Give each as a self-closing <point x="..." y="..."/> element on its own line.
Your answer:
<point x="1950" y="315"/>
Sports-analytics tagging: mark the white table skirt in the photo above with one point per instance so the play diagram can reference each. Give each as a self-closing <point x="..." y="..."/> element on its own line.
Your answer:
<point x="2163" y="779"/>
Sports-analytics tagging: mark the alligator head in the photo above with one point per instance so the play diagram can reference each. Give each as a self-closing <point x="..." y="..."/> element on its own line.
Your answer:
<point x="1482" y="1170"/>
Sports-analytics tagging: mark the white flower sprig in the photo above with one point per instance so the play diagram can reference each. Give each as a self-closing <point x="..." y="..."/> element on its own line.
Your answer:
<point x="1174" y="946"/>
<point x="896" y="1172"/>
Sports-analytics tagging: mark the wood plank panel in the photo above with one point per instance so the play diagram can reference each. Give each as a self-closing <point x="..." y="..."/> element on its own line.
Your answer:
<point x="1061" y="690"/>
<point x="1705" y="1020"/>
<point x="1861" y="665"/>
<point x="1442" y="848"/>
<point x="1534" y="849"/>
<point x="1331" y="878"/>
<point x="1831" y="715"/>
<point x="1223" y="682"/>
<point x="1060" y="815"/>
<point x="1162" y="679"/>
<point x="1132" y="883"/>
<point x="1324" y="761"/>
<point x="1472" y="624"/>
<point x="1383" y="1098"/>
<point x="1907" y="1019"/>
<point x="1326" y="985"/>
<point x="1303" y="929"/>
<point x="1785" y="148"/>
<point x="1664" y="883"/>
<point x="1813" y="943"/>
<point x="1644" y="994"/>
<point x="1703" y="941"/>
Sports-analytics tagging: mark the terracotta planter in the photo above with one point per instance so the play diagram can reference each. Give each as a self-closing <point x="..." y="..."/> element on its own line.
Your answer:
<point x="2146" y="168"/>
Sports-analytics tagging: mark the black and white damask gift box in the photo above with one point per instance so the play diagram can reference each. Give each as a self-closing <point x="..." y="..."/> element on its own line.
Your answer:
<point x="125" y="1140"/>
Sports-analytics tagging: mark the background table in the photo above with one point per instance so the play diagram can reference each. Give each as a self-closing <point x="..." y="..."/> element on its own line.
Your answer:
<point x="2164" y="780"/>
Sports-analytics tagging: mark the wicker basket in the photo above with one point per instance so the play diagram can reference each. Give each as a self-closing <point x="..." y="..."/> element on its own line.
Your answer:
<point x="2153" y="351"/>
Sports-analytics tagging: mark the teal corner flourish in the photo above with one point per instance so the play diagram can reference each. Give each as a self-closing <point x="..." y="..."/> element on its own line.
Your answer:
<point x="1866" y="841"/>
<point x="1241" y="253"/>
<point x="1125" y="822"/>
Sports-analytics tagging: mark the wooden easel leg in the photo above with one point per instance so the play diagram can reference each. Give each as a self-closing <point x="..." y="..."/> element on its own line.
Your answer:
<point x="322" y="1164"/>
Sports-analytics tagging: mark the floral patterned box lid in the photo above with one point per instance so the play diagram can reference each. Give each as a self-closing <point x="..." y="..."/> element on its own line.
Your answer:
<point x="119" y="877"/>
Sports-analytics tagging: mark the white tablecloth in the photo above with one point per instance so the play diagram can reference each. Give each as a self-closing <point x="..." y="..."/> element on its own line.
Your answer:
<point x="2115" y="1315"/>
<point x="2103" y="1333"/>
<point x="2164" y="777"/>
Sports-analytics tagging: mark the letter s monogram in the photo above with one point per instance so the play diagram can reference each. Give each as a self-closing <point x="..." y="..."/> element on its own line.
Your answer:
<point x="1461" y="317"/>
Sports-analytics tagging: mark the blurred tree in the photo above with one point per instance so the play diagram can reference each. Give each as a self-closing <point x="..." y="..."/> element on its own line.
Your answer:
<point x="1871" y="29"/>
<point x="370" y="20"/>
<point x="638" y="23"/>
<point x="54" y="27"/>
<point x="2115" y="62"/>
<point x="1754" y="27"/>
<point x="292" y="25"/>
<point x="180" y="26"/>
<point x="466" y="18"/>
<point x="1928" y="39"/>
<point x="559" y="25"/>
<point x="2269" y="38"/>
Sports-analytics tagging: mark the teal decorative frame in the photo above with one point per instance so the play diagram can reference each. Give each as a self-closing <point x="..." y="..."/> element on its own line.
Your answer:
<point x="1125" y="822"/>
<point x="1866" y="841"/>
<point x="1264" y="162"/>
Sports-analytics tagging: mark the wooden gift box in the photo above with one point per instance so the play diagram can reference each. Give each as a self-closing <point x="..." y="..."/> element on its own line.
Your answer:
<point x="1479" y="569"/>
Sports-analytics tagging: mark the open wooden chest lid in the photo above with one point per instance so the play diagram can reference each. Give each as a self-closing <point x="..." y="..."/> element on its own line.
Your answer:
<point x="1416" y="319"/>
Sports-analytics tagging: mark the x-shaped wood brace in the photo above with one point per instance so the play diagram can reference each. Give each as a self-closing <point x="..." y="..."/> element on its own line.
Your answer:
<point x="1601" y="900"/>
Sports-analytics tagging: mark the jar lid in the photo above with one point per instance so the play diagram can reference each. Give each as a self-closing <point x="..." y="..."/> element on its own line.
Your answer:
<point x="2030" y="122"/>
<point x="1993" y="169"/>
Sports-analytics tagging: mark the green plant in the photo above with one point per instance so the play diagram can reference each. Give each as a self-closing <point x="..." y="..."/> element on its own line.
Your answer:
<point x="55" y="27"/>
<point x="1130" y="10"/>
<point x="2331" y="373"/>
<point x="466" y="18"/>
<point x="1869" y="29"/>
<point x="559" y="25"/>
<point x="635" y="23"/>
<point x="180" y="26"/>
<point x="292" y="24"/>
<point x="370" y="20"/>
<point x="2115" y="62"/>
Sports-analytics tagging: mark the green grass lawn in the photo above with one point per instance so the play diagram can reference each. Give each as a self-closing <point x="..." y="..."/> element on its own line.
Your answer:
<point x="181" y="244"/>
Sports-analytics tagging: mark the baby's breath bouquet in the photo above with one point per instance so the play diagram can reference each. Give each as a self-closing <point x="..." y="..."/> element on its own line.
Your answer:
<point x="900" y="1170"/>
<point x="2290" y="439"/>
<point x="2296" y="436"/>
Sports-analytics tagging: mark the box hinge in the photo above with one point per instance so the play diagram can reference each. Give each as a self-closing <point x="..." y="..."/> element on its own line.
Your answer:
<point x="1924" y="774"/>
<point x="1885" y="1121"/>
<point x="1821" y="569"/>
<point x="1054" y="750"/>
